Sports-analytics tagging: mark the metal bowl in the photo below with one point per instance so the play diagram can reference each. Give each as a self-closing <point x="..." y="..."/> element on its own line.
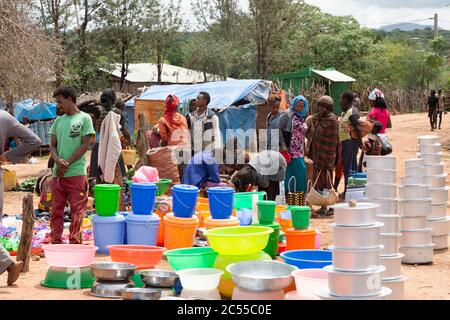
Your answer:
<point x="356" y="237"/>
<point x="361" y="260"/>
<point x="417" y="254"/>
<point x="391" y="223"/>
<point x="430" y="148"/>
<point x="428" y="140"/>
<point x="113" y="271"/>
<point x="430" y="158"/>
<point x="440" y="227"/>
<point x="381" y="163"/>
<point x="397" y="286"/>
<point x="109" y="290"/>
<point x="159" y="278"/>
<point x="361" y="215"/>
<point x="393" y="266"/>
<point x="141" y="294"/>
<point x="381" y="176"/>
<point x="390" y="243"/>
<point x="412" y="180"/>
<point x="434" y="170"/>
<point x="415" y="208"/>
<point x="436" y="182"/>
<point x="439" y="212"/>
<point x="414" y="192"/>
<point x="416" y="237"/>
<point x="439" y="196"/>
<point x="262" y="275"/>
<point x="414" y="163"/>
<point x="413" y="223"/>
<point x="381" y="191"/>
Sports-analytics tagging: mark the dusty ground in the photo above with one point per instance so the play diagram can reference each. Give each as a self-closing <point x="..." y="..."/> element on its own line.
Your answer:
<point x="424" y="282"/>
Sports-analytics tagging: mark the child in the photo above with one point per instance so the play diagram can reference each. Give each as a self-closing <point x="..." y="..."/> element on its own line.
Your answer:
<point x="373" y="145"/>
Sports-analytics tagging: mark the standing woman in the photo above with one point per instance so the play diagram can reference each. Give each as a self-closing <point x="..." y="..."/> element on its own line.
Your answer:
<point x="273" y="121"/>
<point x="173" y="126"/>
<point x="297" y="166"/>
<point x="379" y="110"/>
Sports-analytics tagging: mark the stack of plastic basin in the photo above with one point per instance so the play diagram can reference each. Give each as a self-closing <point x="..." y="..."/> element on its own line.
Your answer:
<point x="179" y="232"/>
<point x="108" y="231"/>
<point x="211" y="223"/>
<point x="143" y="197"/>
<point x="142" y="229"/>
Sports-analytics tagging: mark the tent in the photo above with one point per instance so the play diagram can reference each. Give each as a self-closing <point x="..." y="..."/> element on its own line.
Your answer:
<point x="34" y="110"/>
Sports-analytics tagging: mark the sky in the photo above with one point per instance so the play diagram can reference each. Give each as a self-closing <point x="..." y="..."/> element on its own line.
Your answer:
<point x="372" y="13"/>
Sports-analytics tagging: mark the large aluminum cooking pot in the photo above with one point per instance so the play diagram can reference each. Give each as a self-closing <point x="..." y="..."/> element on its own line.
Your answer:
<point x="436" y="182"/>
<point x="430" y="148"/>
<point x="414" y="192"/>
<point x="415" y="171"/>
<point x="416" y="237"/>
<point x="414" y="163"/>
<point x="381" y="163"/>
<point x="417" y="254"/>
<point x="440" y="227"/>
<point x="413" y="223"/>
<point x="390" y="243"/>
<point x="356" y="237"/>
<point x="363" y="214"/>
<point x="428" y="140"/>
<point x="430" y="158"/>
<point x="438" y="212"/>
<point x="397" y="286"/>
<point x="415" y="208"/>
<point x="439" y="196"/>
<point x="393" y="266"/>
<point x="387" y="206"/>
<point x="434" y="170"/>
<point x="440" y="242"/>
<point x="411" y="180"/>
<point x="356" y="260"/>
<point x="381" y="191"/>
<point x="381" y="176"/>
<point x="391" y="223"/>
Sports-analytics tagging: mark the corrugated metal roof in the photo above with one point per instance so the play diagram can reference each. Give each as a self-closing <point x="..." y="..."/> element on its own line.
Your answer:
<point x="334" y="75"/>
<point x="148" y="73"/>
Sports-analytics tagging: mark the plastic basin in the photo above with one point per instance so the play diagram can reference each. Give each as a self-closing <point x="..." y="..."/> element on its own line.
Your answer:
<point x="106" y="199"/>
<point x="300" y="217"/>
<point x="309" y="281"/>
<point x="266" y="211"/>
<point x="238" y="240"/>
<point x="200" y="279"/>
<point x="163" y="186"/>
<point x="61" y="278"/>
<point x="244" y="200"/>
<point x="69" y="255"/>
<point x="221" y="201"/>
<point x="144" y="257"/>
<point x="190" y="258"/>
<point x="308" y="259"/>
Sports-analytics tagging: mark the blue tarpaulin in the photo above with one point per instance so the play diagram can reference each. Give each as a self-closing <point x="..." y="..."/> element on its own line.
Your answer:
<point x="34" y="110"/>
<point x="235" y="118"/>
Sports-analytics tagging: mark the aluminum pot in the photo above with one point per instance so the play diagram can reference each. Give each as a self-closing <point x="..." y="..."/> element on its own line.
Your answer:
<point x="390" y="243"/>
<point x="412" y="238"/>
<point x="430" y="148"/>
<point x="436" y="182"/>
<point x="381" y="191"/>
<point x="434" y="170"/>
<point x="439" y="196"/>
<point x="397" y="286"/>
<point x="327" y="295"/>
<point x="354" y="284"/>
<point x="393" y="265"/>
<point x="430" y="158"/>
<point x="391" y="223"/>
<point x="415" y="171"/>
<point x="440" y="227"/>
<point x="428" y="140"/>
<point x="381" y="163"/>
<point x="387" y="206"/>
<point x="360" y="260"/>
<point x="417" y="254"/>
<point x="413" y="223"/>
<point x="381" y="176"/>
<point x="441" y="242"/>
<point x="438" y="212"/>
<point x="414" y="163"/>
<point x="361" y="215"/>
<point x="411" y="180"/>
<point x="356" y="237"/>
<point x="415" y="208"/>
<point x="414" y="192"/>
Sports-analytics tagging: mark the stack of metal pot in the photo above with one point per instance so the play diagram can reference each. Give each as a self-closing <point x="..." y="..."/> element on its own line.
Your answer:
<point x="356" y="270"/>
<point x="382" y="189"/>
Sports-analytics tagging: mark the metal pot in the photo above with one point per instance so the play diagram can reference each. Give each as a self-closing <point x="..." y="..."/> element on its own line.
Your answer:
<point x="439" y="196"/>
<point x="414" y="163"/>
<point x="438" y="212"/>
<point x="414" y="192"/>
<point x="381" y="163"/>
<point x="393" y="266"/>
<point x="434" y="170"/>
<point x="415" y="171"/>
<point x="141" y="294"/>
<point x="356" y="237"/>
<point x="381" y="176"/>
<point x="159" y="278"/>
<point x="391" y="223"/>
<point x="361" y="215"/>
<point x="417" y="254"/>
<point x="381" y="191"/>
<point x="428" y="140"/>
<point x="430" y="158"/>
<point x="440" y="242"/>
<point x="440" y="227"/>
<point x="327" y="295"/>
<point x="387" y="206"/>
<point x="412" y="181"/>
<point x="430" y="148"/>
<point x="415" y="208"/>
<point x="390" y="243"/>
<point x="436" y="182"/>
<point x="397" y="286"/>
<point x="113" y="271"/>
<point x="361" y="260"/>
<point x="354" y="284"/>
<point x="412" y="238"/>
<point x="109" y="290"/>
<point x="413" y="223"/>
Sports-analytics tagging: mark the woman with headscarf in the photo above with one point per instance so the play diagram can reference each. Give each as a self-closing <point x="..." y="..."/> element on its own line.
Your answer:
<point x="173" y="126"/>
<point x="297" y="167"/>
<point x="379" y="110"/>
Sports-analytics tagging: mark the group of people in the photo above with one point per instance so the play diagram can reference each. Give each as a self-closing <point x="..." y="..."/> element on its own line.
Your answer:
<point x="436" y="107"/>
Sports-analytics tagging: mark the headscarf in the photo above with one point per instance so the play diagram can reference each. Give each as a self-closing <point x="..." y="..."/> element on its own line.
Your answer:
<point x="305" y="111"/>
<point x="172" y="103"/>
<point x="376" y="94"/>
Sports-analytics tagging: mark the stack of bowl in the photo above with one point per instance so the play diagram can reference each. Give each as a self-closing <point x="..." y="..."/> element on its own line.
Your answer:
<point x="163" y="281"/>
<point x="266" y="218"/>
<point x="112" y="279"/>
<point x="356" y="270"/>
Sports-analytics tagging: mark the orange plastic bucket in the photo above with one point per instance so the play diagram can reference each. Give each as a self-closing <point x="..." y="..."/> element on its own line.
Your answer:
<point x="161" y="211"/>
<point x="202" y="204"/>
<point x="179" y="232"/>
<point x="300" y="239"/>
<point x="222" y="223"/>
<point x="202" y="216"/>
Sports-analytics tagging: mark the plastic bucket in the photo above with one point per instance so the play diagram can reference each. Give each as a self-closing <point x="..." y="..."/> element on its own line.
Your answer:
<point x="266" y="211"/>
<point x="308" y="259"/>
<point x="245" y="216"/>
<point x="300" y="217"/>
<point x="244" y="200"/>
<point x="179" y="232"/>
<point x="106" y="199"/>
<point x="202" y="216"/>
<point x="142" y="229"/>
<point x="125" y="214"/>
<point x="163" y="186"/>
<point x="108" y="231"/>
<point x="221" y="223"/>
<point x="300" y="239"/>
<point x="221" y="200"/>
<point x="143" y="196"/>
<point x="184" y="199"/>
<point x="274" y="240"/>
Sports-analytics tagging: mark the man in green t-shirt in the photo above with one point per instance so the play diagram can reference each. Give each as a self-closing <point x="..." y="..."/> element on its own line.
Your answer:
<point x="71" y="135"/>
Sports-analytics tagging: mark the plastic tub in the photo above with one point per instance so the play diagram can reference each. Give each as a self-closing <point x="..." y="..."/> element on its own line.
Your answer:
<point x="272" y="245"/>
<point x="221" y="201"/>
<point x="61" y="278"/>
<point x="244" y="200"/>
<point x="163" y="186"/>
<point x="108" y="231"/>
<point x="184" y="199"/>
<point x="142" y="229"/>
<point x="189" y="258"/>
<point x="143" y="196"/>
<point x="211" y="223"/>
<point x="69" y="255"/>
<point x="308" y="259"/>
<point x="308" y="281"/>
<point x="106" y="199"/>
<point x="266" y="211"/>
<point x="200" y="279"/>
<point x="300" y="217"/>
<point x="179" y="232"/>
<point x="300" y="239"/>
<point x="143" y="257"/>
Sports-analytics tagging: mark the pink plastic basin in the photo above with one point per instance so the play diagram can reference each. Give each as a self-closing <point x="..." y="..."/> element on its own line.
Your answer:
<point x="69" y="255"/>
<point x="309" y="281"/>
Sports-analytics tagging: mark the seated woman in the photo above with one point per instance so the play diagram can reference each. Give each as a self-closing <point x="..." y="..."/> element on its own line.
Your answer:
<point x="202" y="171"/>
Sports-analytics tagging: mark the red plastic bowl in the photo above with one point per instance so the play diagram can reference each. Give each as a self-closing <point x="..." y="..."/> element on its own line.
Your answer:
<point x="143" y="257"/>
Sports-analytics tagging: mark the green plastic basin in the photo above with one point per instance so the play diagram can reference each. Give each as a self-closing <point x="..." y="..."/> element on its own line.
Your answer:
<point x="61" y="278"/>
<point x="244" y="200"/>
<point x="191" y="258"/>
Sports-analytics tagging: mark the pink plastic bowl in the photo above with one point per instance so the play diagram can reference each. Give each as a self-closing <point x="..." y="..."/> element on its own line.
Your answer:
<point x="309" y="281"/>
<point x="69" y="255"/>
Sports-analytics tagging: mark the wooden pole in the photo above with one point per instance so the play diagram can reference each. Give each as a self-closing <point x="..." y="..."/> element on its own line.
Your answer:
<point x="142" y="141"/>
<point x="26" y="238"/>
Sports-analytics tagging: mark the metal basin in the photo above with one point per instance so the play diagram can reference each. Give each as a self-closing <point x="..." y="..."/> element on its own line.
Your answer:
<point x="262" y="275"/>
<point x="381" y="163"/>
<point x="430" y="148"/>
<point x="415" y="208"/>
<point x="356" y="237"/>
<point x="428" y="140"/>
<point x="413" y="223"/>
<point x="397" y="286"/>
<point x="381" y="176"/>
<point x="412" y="180"/>
<point x="159" y="278"/>
<point x="327" y="295"/>
<point x="434" y="170"/>
<point x="439" y="196"/>
<point x="391" y="223"/>
<point x="417" y="254"/>
<point x="361" y="260"/>
<point x="113" y="271"/>
<point x="414" y="163"/>
<point x="141" y="294"/>
<point x="436" y="182"/>
<point x="361" y="215"/>
<point x="439" y="212"/>
<point x="387" y="206"/>
<point x="440" y="227"/>
<point x="390" y="243"/>
<point x="393" y="266"/>
<point x="416" y="237"/>
<point x="110" y="290"/>
<point x="381" y="191"/>
<point x="430" y="158"/>
<point x="414" y="192"/>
